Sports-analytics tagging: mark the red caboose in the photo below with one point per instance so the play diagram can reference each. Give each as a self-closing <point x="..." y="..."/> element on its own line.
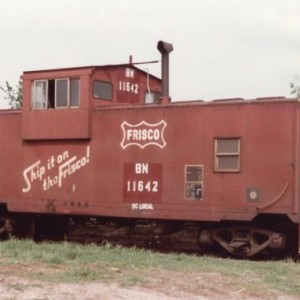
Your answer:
<point x="99" y="141"/>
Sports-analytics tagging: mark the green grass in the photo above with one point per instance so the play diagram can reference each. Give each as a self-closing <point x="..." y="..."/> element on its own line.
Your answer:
<point x="69" y="262"/>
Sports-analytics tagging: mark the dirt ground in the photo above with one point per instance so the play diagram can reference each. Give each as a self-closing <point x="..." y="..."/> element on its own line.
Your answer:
<point x="168" y="287"/>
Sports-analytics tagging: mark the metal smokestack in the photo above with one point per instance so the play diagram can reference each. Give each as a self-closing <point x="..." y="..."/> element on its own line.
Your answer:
<point x="165" y="48"/>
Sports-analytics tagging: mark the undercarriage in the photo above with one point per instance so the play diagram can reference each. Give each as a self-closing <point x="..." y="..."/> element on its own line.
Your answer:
<point x="236" y="239"/>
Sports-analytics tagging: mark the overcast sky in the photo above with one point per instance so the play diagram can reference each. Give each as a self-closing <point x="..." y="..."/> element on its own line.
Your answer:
<point x="222" y="49"/>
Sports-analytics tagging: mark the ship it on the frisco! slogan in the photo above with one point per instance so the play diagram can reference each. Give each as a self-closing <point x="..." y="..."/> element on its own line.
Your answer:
<point x="54" y="170"/>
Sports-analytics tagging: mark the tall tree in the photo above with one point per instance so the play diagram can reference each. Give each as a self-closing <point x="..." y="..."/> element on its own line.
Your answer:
<point x="13" y="95"/>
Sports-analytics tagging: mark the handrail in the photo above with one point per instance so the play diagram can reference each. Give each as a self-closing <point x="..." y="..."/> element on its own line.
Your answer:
<point x="264" y="206"/>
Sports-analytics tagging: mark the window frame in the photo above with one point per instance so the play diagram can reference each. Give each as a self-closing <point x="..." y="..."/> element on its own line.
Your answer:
<point x="218" y="155"/>
<point x="34" y="102"/>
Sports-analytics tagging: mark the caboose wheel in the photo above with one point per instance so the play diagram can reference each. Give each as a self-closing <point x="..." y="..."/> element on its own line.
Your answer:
<point x="244" y="241"/>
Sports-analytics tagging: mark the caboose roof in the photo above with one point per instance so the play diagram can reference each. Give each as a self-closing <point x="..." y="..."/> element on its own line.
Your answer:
<point x="88" y="68"/>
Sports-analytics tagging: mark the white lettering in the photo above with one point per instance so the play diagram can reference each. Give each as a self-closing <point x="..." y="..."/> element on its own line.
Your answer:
<point x="65" y="170"/>
<point x="150" y="186"/>
<point x="129" y="73"/>
<point x="50" y="182"/>
<point x="61" y="164"/>
<point x="29" y="178"/>
<point x="128" y="87"/>
<point x="143" y="134"/>
<point x="62" y="157"/>
<point x="141" y="168"/>
<point x="142" y="206"/>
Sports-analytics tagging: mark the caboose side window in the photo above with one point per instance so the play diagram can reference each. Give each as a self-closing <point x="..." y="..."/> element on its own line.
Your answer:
<point x="56" y="93"/>
<point x="102" y="90"/>
<point x="227" y="154"/>
<point x="152" y="97"/>
<point x="40" y="94"/>
<point x="74" y="93"/>
<point x="61" y="92"/>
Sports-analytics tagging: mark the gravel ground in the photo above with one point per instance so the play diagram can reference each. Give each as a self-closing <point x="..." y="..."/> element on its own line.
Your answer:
<point x="18" y="288"/>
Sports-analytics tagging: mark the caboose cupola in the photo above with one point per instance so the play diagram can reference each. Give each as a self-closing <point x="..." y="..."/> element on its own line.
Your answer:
<point x="57" y="104"/>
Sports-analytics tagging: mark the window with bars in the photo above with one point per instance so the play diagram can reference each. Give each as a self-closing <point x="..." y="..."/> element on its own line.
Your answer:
<point x="227" y="154"/>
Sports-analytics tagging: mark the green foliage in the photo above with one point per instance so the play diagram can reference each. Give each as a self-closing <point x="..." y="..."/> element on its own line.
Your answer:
<point x="13" y="95"/>
<point x="295" y="87"/>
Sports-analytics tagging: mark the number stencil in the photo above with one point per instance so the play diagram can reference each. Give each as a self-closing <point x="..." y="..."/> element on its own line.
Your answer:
<point x="142" y="182"/>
